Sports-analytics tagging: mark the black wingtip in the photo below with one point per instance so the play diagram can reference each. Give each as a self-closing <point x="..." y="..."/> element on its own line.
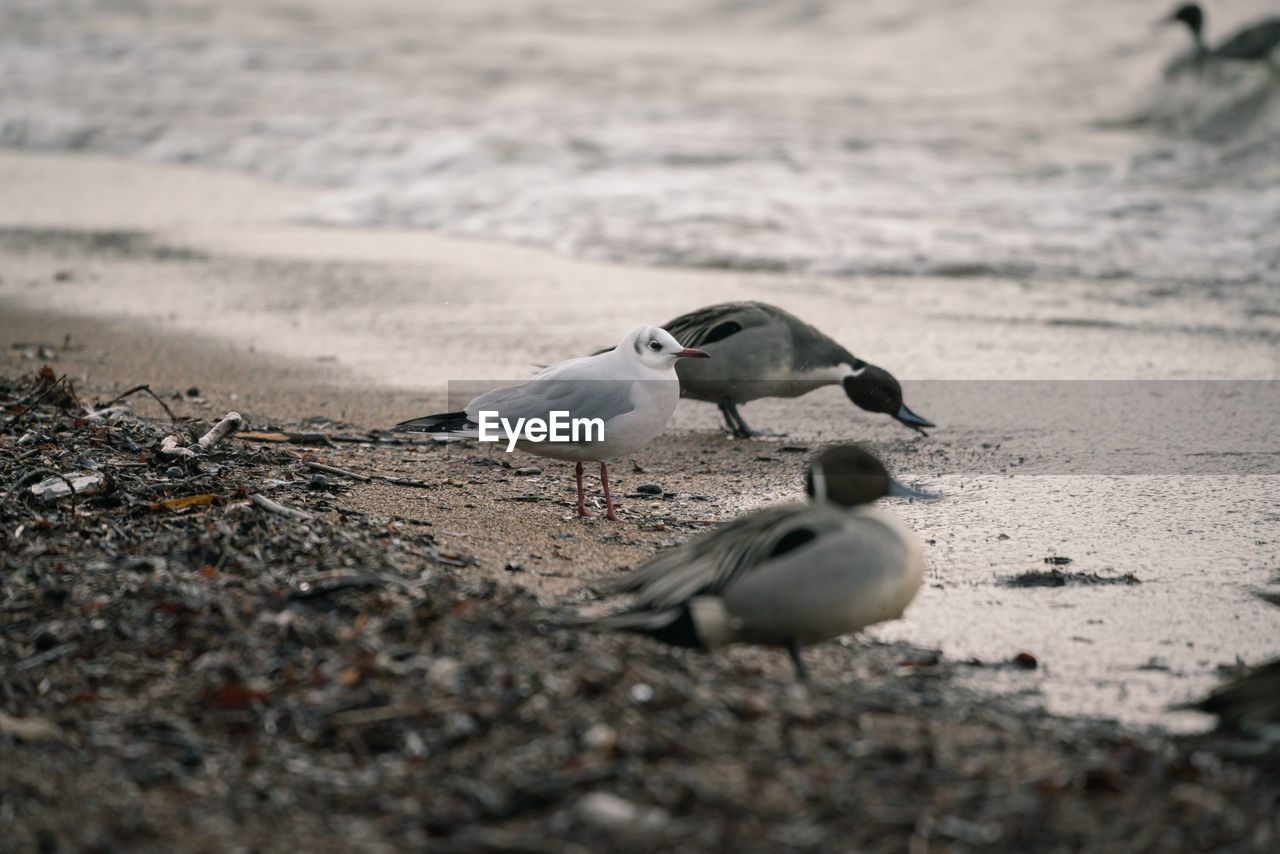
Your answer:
<point x="674" y="626"/>
<point x="443" y="423"/>
<point x="680" y="631"/>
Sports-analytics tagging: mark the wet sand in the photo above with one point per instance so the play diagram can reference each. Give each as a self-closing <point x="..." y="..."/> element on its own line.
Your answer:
<point x="446" y="708"/>
<point x="201" y="281"/>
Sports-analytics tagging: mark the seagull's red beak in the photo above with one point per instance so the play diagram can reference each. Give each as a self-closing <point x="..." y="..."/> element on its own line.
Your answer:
<point x="691" y="353"/>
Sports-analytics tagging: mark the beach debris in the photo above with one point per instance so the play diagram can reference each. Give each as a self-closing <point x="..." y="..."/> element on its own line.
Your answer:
<point x="30" y="730"/>
<point x="649" y="489"/>
<point x="263" y="436"/>
<point x="1025" y="660"/>
<point x="185" y="501"/>
<point x="357" y="683"/>
<point x="1057" y="560"/>
<point x="172" y="445"/>
<point x="111" y="405"/>
<point x="45" y="384"/>
<point x="314" y="466"/>
<point x="610" y="812"/>
<point x="1058" y="578"/>
<point x="365" y="478"/>
<point x="69" y="483"/>
<point x="279" y="509"/>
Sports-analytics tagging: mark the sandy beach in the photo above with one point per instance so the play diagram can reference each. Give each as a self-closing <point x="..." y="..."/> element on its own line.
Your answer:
<point x="179" y="292"/>
<point x="1066" y="258"/>
<point x="410" y="740"/>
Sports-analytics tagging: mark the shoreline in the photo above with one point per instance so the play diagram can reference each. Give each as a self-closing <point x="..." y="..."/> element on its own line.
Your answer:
<point x="219" y="271"/>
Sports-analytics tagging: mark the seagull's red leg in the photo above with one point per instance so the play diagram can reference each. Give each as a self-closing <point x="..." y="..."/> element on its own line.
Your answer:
<point x="582" y="509"/>
<point x="608" y="500"/>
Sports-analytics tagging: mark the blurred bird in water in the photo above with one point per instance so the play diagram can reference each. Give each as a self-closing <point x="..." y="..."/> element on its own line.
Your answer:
<point x="1255" y="43"/>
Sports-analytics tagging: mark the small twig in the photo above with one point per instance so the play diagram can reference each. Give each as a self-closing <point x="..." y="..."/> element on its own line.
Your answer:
<point x="377" y="714"/>
<point x="341" y="472"/>
<point x="47" y="656"/>
<point x="228" y="425"/>
<point x="269" y="505"/>
<point x="403" y="481"/>
<point x="29" y="475"/>
<point x="148" y="390"/>
<point x="172" y="445"/>
<point x="32" y="405"/>
<point x="310" y="439"/>
<point x="365" y="478"/>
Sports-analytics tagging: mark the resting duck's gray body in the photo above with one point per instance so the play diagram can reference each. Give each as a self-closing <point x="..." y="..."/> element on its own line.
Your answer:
<point x="791" y="575"/>
<point x="758" y="350"/>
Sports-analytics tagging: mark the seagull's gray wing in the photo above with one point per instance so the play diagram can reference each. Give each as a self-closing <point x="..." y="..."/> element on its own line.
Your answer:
<point x="581" y="398"/>
<point x="710" y="564"/>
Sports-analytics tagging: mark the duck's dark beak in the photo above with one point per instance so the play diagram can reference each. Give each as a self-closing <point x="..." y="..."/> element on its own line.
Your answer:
<point x="915" y="422"/>
<point x="898" y="490"/>
<point x="693" y="353"/>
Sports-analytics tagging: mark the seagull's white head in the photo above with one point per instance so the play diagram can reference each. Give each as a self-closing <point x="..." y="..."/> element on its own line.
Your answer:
<point x="656" y="347"/>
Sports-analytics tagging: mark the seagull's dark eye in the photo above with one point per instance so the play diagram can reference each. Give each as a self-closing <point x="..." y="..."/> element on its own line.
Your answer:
<point x="655" y="346"/>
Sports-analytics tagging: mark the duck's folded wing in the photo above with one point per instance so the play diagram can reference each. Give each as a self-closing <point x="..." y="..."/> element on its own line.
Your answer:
<point x="716" y="323"/>
<point x="708" y="565"/>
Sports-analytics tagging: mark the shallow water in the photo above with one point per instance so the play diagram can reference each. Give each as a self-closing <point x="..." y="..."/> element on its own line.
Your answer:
<point x="990" y="190"/>
<point x="992" y="137"/>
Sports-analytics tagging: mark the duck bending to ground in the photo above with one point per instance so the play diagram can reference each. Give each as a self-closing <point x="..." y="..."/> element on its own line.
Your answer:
<point x="620" y="399"/>
<point x="789" y="576"/>
<point x="1255" y="43"/>
<point x="759" y="350"/>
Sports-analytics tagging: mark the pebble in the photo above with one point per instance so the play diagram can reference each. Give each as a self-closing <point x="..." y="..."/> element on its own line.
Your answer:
<point x="445" y="673"/>
<point x="527" y="471"/>
<point x="640" y="693"/>
<point x="173" y="472"/>
<point x="29" y="729"/>
<point x="649" y="489"/>
<point x="601" y="737"/>
<point x="611" y="812"/>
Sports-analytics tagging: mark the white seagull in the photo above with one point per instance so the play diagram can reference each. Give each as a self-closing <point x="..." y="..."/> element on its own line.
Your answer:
<point x="632" y="390"/>
<point x="790" y="575"/>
